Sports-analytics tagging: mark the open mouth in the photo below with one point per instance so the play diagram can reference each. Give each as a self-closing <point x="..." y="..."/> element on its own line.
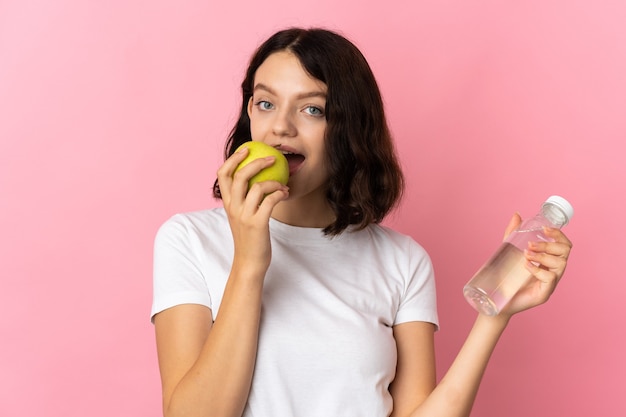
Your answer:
<point x="294" y="160"/>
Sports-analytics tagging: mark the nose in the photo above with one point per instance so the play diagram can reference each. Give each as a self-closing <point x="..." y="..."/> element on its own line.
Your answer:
<point x="284" y="124"/>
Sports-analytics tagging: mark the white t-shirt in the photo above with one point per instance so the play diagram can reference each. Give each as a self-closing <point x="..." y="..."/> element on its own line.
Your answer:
<point x="326" y="346"/>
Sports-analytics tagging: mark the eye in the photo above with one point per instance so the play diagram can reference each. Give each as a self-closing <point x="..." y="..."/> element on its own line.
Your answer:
<point x="314" y="111"/>
<point x="264" y="105"/>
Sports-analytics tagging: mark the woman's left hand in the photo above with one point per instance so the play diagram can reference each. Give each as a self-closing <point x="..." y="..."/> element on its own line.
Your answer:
<point x="546" y="261"/>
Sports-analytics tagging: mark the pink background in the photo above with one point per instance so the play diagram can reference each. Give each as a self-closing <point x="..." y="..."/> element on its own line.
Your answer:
<point x="113" y="115"/>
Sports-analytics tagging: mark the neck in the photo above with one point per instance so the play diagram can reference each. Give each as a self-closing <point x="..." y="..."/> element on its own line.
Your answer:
<point x="304" y="213"/>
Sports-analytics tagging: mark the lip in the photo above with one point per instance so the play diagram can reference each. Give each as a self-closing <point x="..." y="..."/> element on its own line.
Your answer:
<point x="295" y="161"/>
<point x="286" y="148"/>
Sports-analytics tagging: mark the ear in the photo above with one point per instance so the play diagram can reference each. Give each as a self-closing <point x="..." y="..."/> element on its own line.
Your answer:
<point x="250" y="104"/>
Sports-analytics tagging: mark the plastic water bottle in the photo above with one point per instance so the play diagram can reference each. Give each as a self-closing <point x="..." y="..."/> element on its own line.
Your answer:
<point x="502" y="276"/>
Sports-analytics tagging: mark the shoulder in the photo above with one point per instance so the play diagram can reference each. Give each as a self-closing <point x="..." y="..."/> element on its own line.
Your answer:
<point x="193" y="232"/>
<point x="404" y="252"/>
<point x="195" y="222"/>
<point x="396" y="241"/>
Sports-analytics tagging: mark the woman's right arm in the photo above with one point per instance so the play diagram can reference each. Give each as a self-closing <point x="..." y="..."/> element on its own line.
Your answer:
<point x="206" y="365"/>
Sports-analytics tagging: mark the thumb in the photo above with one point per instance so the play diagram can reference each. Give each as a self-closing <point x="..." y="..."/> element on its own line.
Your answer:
<point x="514" y="223"/>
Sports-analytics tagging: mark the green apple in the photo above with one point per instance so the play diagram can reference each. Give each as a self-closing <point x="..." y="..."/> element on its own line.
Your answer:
<point x="279" y="171"/>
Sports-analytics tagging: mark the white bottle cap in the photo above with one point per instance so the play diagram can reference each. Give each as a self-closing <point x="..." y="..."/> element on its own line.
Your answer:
<point x="563" y="204"/>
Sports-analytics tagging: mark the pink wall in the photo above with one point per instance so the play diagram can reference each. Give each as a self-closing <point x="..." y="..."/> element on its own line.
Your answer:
<point x="113" y="115"/>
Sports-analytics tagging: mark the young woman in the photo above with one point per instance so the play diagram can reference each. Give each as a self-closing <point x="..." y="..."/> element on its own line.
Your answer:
<point x="293" y="300"/>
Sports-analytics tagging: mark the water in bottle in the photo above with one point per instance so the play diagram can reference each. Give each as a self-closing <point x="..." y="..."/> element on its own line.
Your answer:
<point x="502" y="276"/>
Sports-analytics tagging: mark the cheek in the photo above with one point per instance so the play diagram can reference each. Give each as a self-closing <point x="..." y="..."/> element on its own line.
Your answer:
<point x="315" y="131"/>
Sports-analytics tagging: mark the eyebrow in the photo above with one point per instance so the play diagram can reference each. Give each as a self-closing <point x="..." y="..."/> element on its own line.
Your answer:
<point x="261" y="86"/>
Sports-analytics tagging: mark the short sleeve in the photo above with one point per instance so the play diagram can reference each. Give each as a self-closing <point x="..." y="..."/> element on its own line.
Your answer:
<point x="419" y="301"/>
<point x="177" y="275"/>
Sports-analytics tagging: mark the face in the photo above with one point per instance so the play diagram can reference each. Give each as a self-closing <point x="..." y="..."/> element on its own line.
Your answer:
<point x="287" y="111"/>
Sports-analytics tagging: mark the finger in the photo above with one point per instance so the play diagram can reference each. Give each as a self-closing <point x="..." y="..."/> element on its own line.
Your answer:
<point x="241" y="177"/>
<point x="226" y="171"/>
<point x="270" y="200"/>
<point x="262" y="191"/>
<point x="514" y="223"/>
<point x="254" y="167"/>
<point x="548" y="278"/>
<point x="557" y="235"/>
<point x="240" y="185"/>
<point x="553" y="263"/>
<point x="553" y="248"/>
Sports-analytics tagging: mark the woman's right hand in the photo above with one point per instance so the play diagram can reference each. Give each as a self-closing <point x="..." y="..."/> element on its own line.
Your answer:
<point x="249" y="211"/>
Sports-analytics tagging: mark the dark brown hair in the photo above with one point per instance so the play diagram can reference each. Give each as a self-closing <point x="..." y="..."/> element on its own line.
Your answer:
<point x="366" y="181"/>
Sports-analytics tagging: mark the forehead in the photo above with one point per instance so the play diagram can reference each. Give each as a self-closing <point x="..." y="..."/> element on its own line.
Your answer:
<point x="283" y="71"/>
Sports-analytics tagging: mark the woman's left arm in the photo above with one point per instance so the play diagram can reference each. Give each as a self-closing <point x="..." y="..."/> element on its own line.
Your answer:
<point x="415" y="370"/>
<point x="416" y="395"/>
